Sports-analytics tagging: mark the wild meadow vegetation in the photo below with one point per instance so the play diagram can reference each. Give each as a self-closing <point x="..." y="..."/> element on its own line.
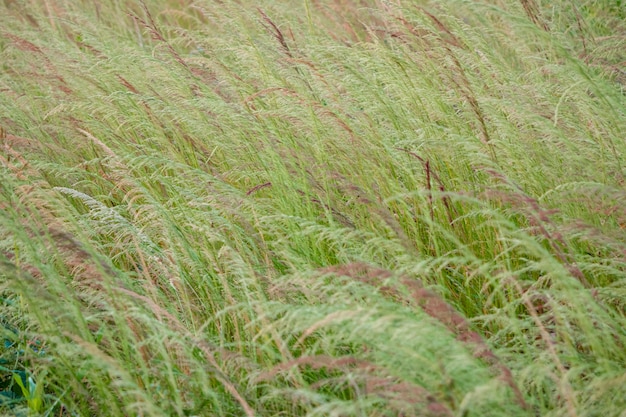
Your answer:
<point x="313" y="208"/>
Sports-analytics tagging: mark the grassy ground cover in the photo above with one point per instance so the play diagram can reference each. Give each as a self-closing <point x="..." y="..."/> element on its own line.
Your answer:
<point x="313" y="208"/>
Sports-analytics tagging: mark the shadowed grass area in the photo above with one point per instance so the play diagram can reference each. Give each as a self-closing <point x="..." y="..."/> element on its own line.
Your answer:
<point x="316" y="208"/>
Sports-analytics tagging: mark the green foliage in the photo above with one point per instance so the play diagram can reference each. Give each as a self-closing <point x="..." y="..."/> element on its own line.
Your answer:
<point x="312" y="208"/>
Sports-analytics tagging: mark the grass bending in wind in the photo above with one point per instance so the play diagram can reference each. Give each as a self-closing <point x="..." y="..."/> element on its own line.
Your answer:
<point x="312" y="208"/>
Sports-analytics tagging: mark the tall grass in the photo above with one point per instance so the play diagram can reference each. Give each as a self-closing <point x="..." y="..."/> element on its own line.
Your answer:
<point x="320" y="208"/>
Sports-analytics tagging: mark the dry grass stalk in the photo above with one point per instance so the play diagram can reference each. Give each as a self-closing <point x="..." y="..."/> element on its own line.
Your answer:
<point x="533" y="13"/>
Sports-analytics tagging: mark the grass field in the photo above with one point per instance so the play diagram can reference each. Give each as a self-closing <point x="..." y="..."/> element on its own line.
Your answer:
<point x="313" y="208"/>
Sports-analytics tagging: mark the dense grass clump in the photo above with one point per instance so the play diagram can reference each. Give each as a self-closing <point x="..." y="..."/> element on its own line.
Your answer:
<point x="320" y="208"/>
